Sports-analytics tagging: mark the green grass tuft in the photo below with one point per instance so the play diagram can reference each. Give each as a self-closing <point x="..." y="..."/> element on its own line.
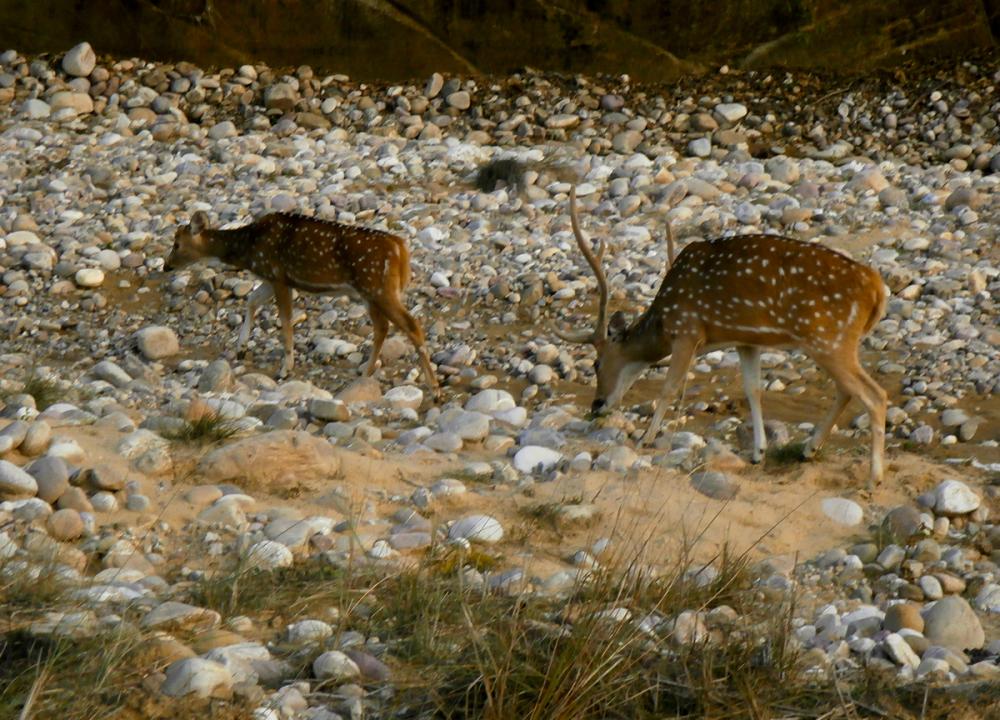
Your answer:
<point x="207" y="429"/>
<point x="787" y="454"/>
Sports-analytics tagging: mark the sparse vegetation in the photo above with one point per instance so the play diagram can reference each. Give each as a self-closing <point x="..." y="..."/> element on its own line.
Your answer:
<point x="507" y="172"/>
<point x="44" y="389"/>
<point x="204" y="430"/>
<point x="787" y="454"/>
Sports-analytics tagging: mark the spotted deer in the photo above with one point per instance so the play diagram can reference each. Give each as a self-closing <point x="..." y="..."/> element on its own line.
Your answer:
<point x="294" y="252"/>
<point x="751" y="291"/>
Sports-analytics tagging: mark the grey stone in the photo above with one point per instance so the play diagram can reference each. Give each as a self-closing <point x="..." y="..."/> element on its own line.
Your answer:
<point x="716" y="485"/>
<point x="952" y="622"/>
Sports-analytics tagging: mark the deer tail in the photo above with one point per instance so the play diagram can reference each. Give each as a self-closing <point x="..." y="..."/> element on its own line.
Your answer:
<point x="404" y="265"/>
<point x="878" y="309"/>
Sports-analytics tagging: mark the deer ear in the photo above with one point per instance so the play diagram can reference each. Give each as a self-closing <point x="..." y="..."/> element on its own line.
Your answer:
<point x="617" y="325"/>
<point x="199" y="222"/>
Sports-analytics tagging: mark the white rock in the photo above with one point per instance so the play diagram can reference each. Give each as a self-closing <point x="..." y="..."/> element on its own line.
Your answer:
<point x="268" y="555"/>
<point x="157" y="342"/>
<point x="335" y="665"/>
<point x="80" y="60"/>
<point x="477" y="528"/>
<point x="731" y="112"/>
<point x="404" y="396"/>
<point x="532" y="458"/>
<point x="899" y="650"/>
<point x="843" y="511"/>
<point x="490" y="401"/>
<point x="953" y="497"/>
<point x="304" y="632"/>
<point x="89" y="277"/>
<point x="15" y="481"/>
<point x="240" y="660"/>
<point x="700" y="147"/>
<point x="196" y="676"/>
<point x="514" y="417"/>
<point x="467" y="424"/>
<point x="988" y="599"/>
<point x="36" y="109"/>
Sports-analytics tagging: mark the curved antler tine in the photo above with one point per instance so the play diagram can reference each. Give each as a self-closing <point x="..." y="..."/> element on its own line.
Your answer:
<point x="577" y="337"/>
<point x="601" y="328"/>
<point x="670" y="245"/>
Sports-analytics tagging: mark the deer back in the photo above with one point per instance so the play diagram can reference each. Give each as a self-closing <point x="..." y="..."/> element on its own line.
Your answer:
<point x="318" y="255"/>
<point x="769" y="290"/>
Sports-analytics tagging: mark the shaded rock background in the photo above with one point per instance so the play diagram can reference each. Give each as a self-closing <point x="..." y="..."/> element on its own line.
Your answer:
<point x="650" y="39"/>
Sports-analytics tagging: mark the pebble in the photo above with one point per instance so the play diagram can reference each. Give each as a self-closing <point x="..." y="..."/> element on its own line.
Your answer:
<point x="65" y="525"/>
<point x="15" y="482"/>
<point x="80" y="60"/>
<point x="404" y="396"/>
<point x="196" y="676"/>
<point x="534" y="458"/>
<point x="335" y="666"/>
<point x="842" y="511"/>
<point x="157" y="342"/>
<point x="268" y="555"/>
<point x="477" y="528"/>
<point x="716" y="485"/>
<point x="953" y="497"/>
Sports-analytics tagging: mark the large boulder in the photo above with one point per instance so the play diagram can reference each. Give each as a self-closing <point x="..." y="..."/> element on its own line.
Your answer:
<point x="272" y="459"/>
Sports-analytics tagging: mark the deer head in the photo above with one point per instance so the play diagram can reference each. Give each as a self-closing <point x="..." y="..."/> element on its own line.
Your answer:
<point x="190" y="243"/>
<point x="623" y="352"/>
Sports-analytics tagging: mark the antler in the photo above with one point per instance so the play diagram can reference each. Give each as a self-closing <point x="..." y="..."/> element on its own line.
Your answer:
<point x="600" y="331"/>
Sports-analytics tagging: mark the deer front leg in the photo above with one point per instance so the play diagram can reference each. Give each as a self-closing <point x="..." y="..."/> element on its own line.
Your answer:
<point x="283" y="295"/>
<point x="261" y="294"/>
<point x="750" y="369"/>
<point x="684" y="350"/>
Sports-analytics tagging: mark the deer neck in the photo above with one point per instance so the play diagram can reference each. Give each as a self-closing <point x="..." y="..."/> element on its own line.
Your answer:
<point x="645" y="340"/>
<point x="233" y="247"/>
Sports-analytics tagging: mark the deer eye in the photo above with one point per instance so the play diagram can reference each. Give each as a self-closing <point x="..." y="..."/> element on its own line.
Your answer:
<point x="597" y="365"/>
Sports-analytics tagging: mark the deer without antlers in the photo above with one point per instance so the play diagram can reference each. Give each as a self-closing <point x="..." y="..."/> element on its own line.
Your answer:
<point x="751" y="291"/>
<point x="311" y="255"/>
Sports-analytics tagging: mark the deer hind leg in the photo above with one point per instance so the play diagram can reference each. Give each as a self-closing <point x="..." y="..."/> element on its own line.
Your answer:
<point x="822" y="431"/>
<point x="853" y="381"/>
<point x="875" y="402"/>
<point x="380" y="325"/>
<point x="283" y="296"/>
<point x="684" y="350"/>
<point x="261" y="294"/>
<point x="401" y="318"/>
<point x="750" y="370"/>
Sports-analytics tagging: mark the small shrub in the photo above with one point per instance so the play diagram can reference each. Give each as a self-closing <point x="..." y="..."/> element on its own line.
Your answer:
<point x="46" y="391"/>
<point x="787" y="454"/>
<point x="207" y="429"/>
<point x="508" y="171"/>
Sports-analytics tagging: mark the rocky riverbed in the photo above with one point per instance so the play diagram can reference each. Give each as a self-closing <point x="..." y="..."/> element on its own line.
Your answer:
<point x="150" y="481"/>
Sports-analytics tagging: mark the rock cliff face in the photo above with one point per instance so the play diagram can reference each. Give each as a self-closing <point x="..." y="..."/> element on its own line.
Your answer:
<point x="397" y="39"/>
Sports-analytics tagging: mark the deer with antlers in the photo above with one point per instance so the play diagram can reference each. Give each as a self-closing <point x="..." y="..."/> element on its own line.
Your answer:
<point x="751" y="291"/>
<point x="290" y="251"/>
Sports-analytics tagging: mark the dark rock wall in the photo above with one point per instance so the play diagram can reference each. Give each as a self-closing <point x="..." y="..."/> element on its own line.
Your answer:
<point x="398" y="39"/>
